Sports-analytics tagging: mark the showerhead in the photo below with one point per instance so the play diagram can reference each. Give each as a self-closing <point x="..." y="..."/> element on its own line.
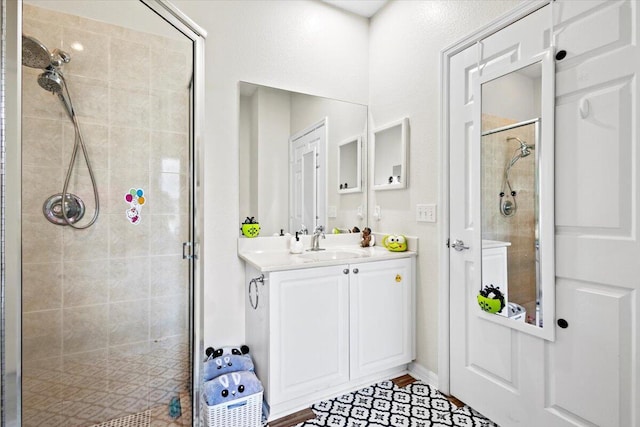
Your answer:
<point x="34" y="53"/>
<point x="51" y="80"/>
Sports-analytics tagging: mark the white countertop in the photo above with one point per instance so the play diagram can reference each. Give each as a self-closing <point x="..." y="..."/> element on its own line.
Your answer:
<point x="268" y="254"/>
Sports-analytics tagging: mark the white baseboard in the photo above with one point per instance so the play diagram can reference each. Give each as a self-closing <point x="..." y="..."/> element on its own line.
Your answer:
<point x="423" y="374"/>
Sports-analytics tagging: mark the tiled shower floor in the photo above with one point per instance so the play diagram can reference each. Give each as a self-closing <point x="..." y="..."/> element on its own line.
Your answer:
<point x="90" y="389"/>
<point x="155" y="417"/>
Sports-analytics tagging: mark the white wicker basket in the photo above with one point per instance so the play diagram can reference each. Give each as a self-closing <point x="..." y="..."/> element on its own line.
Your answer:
<point x="243" y="412"/>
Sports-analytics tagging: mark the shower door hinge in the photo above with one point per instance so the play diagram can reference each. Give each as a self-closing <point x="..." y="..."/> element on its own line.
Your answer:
<point x="188" y="250"/>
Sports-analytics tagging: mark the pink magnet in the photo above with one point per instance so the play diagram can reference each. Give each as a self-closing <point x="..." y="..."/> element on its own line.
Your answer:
<point x="128" y="197"/>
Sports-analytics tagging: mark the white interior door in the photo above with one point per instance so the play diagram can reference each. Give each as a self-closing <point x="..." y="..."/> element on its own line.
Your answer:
<point x="307" y="177"/>
<point x="590" y="375"/>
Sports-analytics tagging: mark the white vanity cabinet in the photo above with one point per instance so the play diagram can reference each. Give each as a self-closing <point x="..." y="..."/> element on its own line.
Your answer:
<point x="381" y="315"/>
<point x="309" y="331"/>
<point x="318" y="332"/>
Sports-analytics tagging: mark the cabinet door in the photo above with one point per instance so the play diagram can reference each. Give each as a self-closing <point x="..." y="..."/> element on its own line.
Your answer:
<point x="382" y="313"/>
<point x="309" y="317"/>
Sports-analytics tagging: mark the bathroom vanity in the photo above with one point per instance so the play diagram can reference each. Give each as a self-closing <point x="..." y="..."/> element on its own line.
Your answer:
<point x="325" y="323"/>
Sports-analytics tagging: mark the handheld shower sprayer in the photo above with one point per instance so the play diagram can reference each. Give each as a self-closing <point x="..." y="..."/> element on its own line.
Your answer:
<point x="508" y="205"/>
<point x="62" y="208"/>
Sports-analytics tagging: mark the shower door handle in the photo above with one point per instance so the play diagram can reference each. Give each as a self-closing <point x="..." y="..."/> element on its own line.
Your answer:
<point x="458" y="245"/>
<point x="187" y="253"/>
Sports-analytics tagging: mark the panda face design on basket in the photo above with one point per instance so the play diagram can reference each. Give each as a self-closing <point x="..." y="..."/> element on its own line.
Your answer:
<point x="231" y="389"/>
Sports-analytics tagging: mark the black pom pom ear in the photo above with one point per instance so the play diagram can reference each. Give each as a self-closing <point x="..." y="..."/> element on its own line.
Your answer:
<point x="209" y="351"/>
<point x="244" y="349"/>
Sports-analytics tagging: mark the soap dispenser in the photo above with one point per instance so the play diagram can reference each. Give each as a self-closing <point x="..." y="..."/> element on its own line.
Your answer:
<point x="296" y="245"/>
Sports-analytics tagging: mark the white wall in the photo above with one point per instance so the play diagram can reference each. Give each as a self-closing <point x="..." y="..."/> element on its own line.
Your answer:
<point x="406" y="38"/>
<point x="304" y="46"/>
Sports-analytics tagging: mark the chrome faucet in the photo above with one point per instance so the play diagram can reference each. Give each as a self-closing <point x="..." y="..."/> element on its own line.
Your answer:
<point x="303" y="230"/>
<point x="315" y="239"/>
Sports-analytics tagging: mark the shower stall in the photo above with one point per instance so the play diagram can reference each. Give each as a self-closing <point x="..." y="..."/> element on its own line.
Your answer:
<point x="110" y="306"/>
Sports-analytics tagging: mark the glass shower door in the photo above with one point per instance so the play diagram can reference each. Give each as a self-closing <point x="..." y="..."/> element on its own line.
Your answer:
<point x="106" y="311"/>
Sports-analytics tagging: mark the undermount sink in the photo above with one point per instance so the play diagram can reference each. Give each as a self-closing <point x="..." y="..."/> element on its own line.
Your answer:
<point x="330" y="255"/>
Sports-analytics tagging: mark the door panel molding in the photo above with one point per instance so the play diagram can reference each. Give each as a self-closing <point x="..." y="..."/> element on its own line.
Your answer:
<point x="446" y="57"/>
<point x="594" y="363"/>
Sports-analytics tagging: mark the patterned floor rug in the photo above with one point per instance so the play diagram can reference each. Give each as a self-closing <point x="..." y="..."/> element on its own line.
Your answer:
<point x="387" y="405"/>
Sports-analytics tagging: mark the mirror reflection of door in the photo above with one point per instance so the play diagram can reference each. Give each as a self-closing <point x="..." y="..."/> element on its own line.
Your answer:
<point x="307" y="172"/>
<point x="509" y="192"/>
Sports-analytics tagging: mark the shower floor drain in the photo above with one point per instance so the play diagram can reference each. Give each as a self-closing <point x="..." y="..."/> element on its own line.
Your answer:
<point x="142" y="419"/>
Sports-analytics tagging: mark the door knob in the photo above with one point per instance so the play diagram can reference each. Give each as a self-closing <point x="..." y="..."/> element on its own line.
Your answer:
<point x="458" y="245"/>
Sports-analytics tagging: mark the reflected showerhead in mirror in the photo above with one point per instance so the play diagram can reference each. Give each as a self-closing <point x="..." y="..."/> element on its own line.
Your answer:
<point x="525" y="149"/>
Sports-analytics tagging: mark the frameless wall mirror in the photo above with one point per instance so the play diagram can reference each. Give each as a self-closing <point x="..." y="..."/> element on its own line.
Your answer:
<point x="515" y="159"/>
<point x="389" y="154"/>
<point x="289" y="145"/>
<point x="350" y="166"/>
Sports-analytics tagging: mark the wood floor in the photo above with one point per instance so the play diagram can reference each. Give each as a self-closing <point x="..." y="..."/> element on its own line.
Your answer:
<point x="294" y="419"/>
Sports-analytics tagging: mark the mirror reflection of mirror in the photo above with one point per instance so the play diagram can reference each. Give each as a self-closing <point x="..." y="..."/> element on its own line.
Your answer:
<point x="509" y="191"/>
<point x="389" y="156"/>
<point x="270" y="120"/>
<point x="350" y="166"/>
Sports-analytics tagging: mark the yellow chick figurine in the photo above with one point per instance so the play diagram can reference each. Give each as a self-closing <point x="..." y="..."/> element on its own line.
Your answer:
<point x="395" y="242"/>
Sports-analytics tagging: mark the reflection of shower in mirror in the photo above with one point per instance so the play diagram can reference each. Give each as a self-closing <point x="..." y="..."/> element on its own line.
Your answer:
<point x="508" y="204"/>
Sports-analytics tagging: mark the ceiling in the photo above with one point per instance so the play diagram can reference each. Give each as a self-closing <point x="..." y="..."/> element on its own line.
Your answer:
<point x="366" y="8"/>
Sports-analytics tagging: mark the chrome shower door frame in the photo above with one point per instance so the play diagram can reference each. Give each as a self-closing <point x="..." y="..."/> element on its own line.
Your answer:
<point x="196" y="271"/>
<point x="10" y="173"/>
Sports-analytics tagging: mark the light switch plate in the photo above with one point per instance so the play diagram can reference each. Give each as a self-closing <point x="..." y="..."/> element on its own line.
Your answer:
<point x="377" y="213"/>
<point x="426" y="213"/>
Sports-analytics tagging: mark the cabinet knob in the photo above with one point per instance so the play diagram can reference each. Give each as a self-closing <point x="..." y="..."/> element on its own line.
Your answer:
<point x="355" y="271"/>
<point x="345" y="271"/>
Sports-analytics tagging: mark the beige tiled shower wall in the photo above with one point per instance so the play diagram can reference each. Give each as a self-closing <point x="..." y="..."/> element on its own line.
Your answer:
<point x="518" y="228"/>
<point x="105" y="310"/>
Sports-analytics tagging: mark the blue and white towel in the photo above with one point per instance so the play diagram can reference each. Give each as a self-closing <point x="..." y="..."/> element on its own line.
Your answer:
<point x="225" y="365"/>
<point x="229" y="387"/>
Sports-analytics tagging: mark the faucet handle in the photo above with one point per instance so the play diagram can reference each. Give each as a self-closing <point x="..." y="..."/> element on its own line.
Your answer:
<point x="320" y="229"/>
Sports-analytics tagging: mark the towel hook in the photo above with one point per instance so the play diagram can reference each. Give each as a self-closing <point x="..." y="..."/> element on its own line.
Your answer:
<point x="255" y="282"/>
